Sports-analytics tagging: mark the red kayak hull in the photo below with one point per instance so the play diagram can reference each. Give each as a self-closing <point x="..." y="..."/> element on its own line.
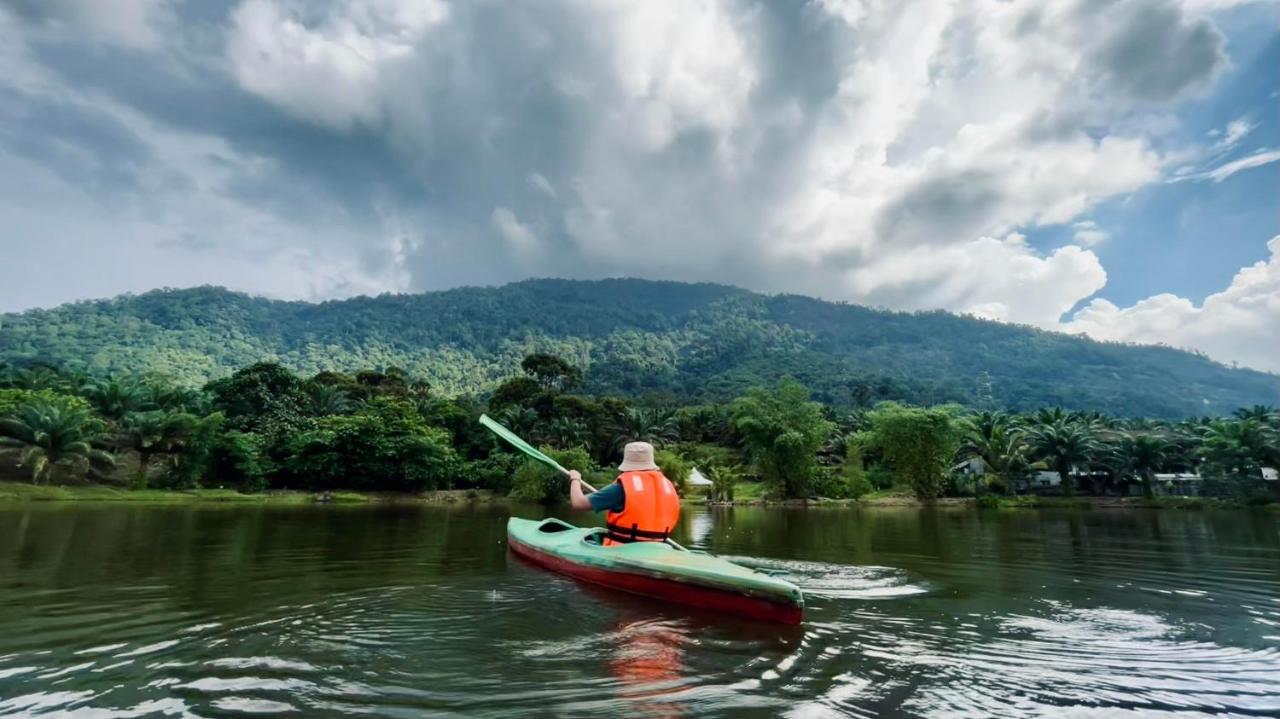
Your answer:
<point x="692" y="595"/>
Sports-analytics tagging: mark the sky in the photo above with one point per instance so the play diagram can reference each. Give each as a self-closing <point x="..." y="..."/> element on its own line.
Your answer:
<point x="1111" y="168"/>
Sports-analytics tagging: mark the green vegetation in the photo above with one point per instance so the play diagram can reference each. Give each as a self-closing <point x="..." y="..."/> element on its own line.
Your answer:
<point x="781" y="431"/>
<point x="264" y="430"/>
<point x="919" y="444"/>
<point x="668" y="342"/>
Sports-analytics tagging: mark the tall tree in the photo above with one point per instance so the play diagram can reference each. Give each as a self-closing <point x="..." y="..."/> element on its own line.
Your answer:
<point x="153" y="433"/>
<point x="997" y="440"/>
<point x="918" y="443"/>
<point x="115" y="398"/>
<point x="782" y="431"/>
<point x="1063" y="443"/>
<point x="645" y="424"/>
<point x="1145" y="454"/>
<point x="551" y="373"/>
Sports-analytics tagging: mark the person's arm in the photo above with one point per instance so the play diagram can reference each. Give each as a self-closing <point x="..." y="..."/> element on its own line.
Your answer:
<point x="576" y="497"/>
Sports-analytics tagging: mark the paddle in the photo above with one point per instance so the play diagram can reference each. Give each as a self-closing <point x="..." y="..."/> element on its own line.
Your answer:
<point x="525" y="447"/>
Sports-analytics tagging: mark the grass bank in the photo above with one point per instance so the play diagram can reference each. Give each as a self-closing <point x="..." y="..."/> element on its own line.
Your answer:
<point x="751" y="494"/>
<point x="18" y="492"/>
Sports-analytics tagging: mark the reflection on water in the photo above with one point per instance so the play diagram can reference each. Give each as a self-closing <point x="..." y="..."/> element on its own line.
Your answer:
<point x="331" y="611"/>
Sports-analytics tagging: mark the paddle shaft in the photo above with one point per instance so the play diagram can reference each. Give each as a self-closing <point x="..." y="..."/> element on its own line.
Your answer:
<point x="525" y="447"/>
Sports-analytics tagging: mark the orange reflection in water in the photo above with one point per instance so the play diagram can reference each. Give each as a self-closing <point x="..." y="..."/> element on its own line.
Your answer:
<point x="648" y="658"/>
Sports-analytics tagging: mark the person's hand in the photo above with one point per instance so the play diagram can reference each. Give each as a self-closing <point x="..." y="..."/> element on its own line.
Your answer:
<point x="575" y="475"/>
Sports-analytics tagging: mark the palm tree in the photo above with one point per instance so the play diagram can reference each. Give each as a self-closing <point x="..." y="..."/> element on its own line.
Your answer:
<point x="324" y="399"/>
<point x="35" y="377"/>
<point x="521" y="420"/>
<point x="1050" y="415"/>
<point x="1144" y="454"/>
<point x="994" y="438"/>
<point x="566" y="432"/>
<point x="1062" y="444"/>
<point x="49" y="436"/>
<point x="116" y="398"/>
<point x="1260" y="412"/>
<point x="1237" y="447"/>
<point x="155" y="432"/>
<point x="641" y="424"/>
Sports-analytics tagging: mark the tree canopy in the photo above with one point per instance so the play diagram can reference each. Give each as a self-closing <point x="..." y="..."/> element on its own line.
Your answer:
<point x="690" y="343"/>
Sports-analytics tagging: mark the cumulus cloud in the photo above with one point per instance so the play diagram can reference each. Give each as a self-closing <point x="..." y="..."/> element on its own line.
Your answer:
<point x="1087" y="233"/>
<point x="1240" y="324"/>
<point x="326" y="65"/>
<point x="867" y="150"/>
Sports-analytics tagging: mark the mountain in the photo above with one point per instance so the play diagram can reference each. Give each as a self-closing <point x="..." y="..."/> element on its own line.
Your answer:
<point x="695" y="341"/>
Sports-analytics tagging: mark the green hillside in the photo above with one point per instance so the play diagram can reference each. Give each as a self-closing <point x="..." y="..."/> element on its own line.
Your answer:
<point x="694" y="341"/>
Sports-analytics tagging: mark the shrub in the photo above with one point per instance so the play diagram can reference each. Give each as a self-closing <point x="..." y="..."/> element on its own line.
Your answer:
<point x="675" y="467"/>
<point x="988" y="501"/>
<point x="537" y="482"/>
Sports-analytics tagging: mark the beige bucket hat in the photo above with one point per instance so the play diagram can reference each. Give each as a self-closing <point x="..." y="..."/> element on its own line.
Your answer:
<point x="637" y="457"/>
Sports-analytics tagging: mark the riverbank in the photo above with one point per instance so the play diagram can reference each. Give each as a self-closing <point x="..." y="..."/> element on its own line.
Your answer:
<point x="992" y="501"/>
<point x="18" y="492"/>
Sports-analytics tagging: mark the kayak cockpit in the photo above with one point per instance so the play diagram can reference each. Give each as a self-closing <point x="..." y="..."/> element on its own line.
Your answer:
<point x="550" y="526"/>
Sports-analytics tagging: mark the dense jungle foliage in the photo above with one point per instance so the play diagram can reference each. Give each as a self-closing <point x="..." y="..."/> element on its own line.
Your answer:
<point x="265" y="427"/>
<point x="665" y="342"/>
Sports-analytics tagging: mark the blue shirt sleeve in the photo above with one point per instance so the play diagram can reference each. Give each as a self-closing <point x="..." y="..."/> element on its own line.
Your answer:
<point x="610" y="499"/>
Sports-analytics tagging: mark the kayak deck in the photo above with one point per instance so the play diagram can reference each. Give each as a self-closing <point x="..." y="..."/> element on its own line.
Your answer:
<point x="656" y="569"/>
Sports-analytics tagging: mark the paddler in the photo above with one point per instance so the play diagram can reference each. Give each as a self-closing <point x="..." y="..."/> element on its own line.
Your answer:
<point x="642" y="503"/>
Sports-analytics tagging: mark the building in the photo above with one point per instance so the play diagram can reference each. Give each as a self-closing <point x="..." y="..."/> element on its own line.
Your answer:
<point x="1178" y="484"/>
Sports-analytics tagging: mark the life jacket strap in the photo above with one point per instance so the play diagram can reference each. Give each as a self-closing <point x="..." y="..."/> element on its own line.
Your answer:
<point x="634" y="533"/>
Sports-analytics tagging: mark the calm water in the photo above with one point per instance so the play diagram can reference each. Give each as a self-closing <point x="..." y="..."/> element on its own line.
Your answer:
<point x="113" y="611"/>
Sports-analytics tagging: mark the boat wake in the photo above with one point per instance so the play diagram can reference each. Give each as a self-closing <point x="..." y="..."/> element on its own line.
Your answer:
<point x="839" y="581"/>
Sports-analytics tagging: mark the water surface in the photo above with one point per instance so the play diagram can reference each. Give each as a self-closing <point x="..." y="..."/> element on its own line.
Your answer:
<point x="127" y="611"/>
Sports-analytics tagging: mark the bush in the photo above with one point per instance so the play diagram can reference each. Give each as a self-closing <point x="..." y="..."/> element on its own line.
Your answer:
<point x="675" y="467"/>
<point x="11" y="399"/>
<point x="386" y="445"/>
<point x="881" y="478"/>
<point x="537" y="482"/>
<point x="830" y="484"/>
<point x="238" y="460"/>
<point x="988" y="501"/>
<point x="496" y="472"/>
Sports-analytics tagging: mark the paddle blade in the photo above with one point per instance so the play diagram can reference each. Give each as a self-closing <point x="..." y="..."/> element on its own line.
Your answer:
<point x="520" y="444"/>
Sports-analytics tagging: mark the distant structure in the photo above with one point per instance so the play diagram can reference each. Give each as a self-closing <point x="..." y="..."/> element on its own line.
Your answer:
<point x="697" y="479"/>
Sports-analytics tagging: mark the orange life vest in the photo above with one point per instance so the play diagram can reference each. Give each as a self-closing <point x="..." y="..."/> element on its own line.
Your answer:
<point x="650" y="512"/>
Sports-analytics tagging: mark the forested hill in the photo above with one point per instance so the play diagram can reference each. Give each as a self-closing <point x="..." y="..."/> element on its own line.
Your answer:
<point x="696" y="341"/>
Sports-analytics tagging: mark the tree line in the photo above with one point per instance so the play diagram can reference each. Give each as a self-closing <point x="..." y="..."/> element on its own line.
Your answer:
<point x="266" y="427"/>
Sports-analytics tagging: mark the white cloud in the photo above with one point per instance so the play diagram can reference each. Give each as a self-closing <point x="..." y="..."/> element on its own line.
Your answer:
<point x="995" y="279"/>
<point x="518" y="236"/>
<point x="327" y="66"/>
<point x="540" y="183"/>
<point x="1240" y="324"/>
<point x="864" y="150"/>
<point x="679" y="64"/>
<point x="140" y="24"/>
<point x="1225" y="170"/>
<point x="1087" y="233"/>
<point x="1235" y="131"/>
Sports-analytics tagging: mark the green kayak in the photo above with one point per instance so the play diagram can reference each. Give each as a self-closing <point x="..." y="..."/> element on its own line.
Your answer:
<point x="656" y="569"/>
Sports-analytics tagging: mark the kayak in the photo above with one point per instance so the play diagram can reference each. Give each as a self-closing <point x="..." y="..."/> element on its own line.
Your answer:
<point x="656" y="569"/>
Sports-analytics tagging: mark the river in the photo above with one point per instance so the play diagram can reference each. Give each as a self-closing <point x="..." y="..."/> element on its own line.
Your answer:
<point x="212" y="611"/>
